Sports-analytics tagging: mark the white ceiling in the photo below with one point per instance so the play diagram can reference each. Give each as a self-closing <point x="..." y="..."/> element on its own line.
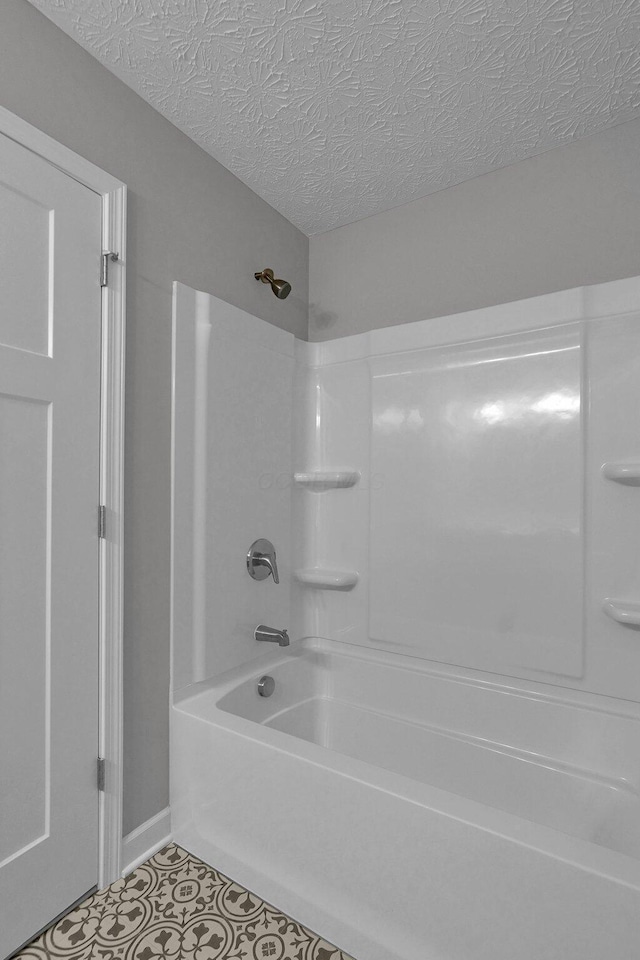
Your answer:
<point x="333" y="110"/>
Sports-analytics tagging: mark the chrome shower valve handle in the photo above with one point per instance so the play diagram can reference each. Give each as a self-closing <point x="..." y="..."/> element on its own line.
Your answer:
<point x="261" y="560"/>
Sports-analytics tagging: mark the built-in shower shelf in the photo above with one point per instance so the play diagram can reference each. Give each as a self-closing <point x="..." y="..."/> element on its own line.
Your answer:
<point x="318" y="480"/>
<point x="623" y="471"/>
<point x="323" y="579"/>
<point x="624" y="611"/>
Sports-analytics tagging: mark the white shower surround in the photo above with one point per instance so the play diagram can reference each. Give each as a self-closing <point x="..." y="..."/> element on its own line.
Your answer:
<point x="415" y="790"/>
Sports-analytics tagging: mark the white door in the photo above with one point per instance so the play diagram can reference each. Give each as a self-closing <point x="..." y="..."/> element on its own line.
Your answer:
<point x="50" y="234"/>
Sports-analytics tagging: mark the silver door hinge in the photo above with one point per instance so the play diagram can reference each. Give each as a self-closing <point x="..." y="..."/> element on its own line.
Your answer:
<point x="107" y="257"/>
<point x="102" y="522"/>
<point x="101" y="772"/>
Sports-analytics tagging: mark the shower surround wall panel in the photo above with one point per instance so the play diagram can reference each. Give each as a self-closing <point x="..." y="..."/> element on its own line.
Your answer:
<point x="479" y="452"/>
<point x="329" y="539"/>
<point x="232" y="437"/>
<point x="484" y="534"/>
<point x="449" y="766"/>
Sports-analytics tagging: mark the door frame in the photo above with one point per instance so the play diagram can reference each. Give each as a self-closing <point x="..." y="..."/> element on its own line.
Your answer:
<point x="112" y="358"/>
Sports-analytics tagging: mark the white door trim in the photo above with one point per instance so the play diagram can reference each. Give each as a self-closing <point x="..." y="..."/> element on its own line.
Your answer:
<point x="114" y="238"/>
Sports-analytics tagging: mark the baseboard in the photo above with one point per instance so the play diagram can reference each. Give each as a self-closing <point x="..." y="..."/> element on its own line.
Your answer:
<point x="145" y="840"/>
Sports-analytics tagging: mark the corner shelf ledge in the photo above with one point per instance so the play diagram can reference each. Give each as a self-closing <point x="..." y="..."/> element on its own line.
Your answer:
<point x="622" y="471"/>
<point x="623" y="611"/>
<point x="318" y="480"/>
<point x="327" y="579"/>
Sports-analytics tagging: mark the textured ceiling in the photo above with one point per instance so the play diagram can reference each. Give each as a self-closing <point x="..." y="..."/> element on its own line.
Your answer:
<point x="336" y="109"/>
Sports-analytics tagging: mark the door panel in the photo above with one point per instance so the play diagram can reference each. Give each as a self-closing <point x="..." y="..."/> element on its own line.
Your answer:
<point x="50" y="228"/>
<point x="26" y="243"/>
<point x="24" y="589"/>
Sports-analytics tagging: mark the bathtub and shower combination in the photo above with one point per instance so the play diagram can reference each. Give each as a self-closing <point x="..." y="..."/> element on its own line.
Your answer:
<point x="447" y="763"/>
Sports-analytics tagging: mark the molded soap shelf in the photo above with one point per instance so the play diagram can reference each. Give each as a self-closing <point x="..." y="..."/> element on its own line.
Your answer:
<point x="623" y="471"/>
<point x="327" y="579"/>
<point x="318" y="480"/>
<point x="624" y="611"/>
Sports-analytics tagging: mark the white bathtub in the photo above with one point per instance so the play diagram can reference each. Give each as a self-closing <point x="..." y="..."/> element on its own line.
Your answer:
<point x="407" y="814"/>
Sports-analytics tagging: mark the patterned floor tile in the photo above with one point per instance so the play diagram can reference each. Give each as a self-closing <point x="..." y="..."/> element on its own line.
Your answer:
<point x="174" y="907"/>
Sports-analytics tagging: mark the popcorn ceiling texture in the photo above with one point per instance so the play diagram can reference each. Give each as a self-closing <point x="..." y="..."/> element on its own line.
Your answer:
<point x="333" y="110"/>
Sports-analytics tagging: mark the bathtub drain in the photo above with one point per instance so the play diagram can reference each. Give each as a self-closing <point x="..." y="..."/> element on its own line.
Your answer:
<point x="266" y="686"/>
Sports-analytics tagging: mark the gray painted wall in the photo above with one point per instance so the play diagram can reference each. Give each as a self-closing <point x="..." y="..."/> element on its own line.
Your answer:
<point x="190" y="220"/>
<point x="563" y="219"/>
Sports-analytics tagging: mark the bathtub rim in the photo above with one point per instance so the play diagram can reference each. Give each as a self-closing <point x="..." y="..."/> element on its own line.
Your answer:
<point x="536" y="690"/>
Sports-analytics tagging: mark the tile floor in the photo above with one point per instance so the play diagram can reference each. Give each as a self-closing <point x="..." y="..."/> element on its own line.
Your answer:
<point x="174" y="907"/>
